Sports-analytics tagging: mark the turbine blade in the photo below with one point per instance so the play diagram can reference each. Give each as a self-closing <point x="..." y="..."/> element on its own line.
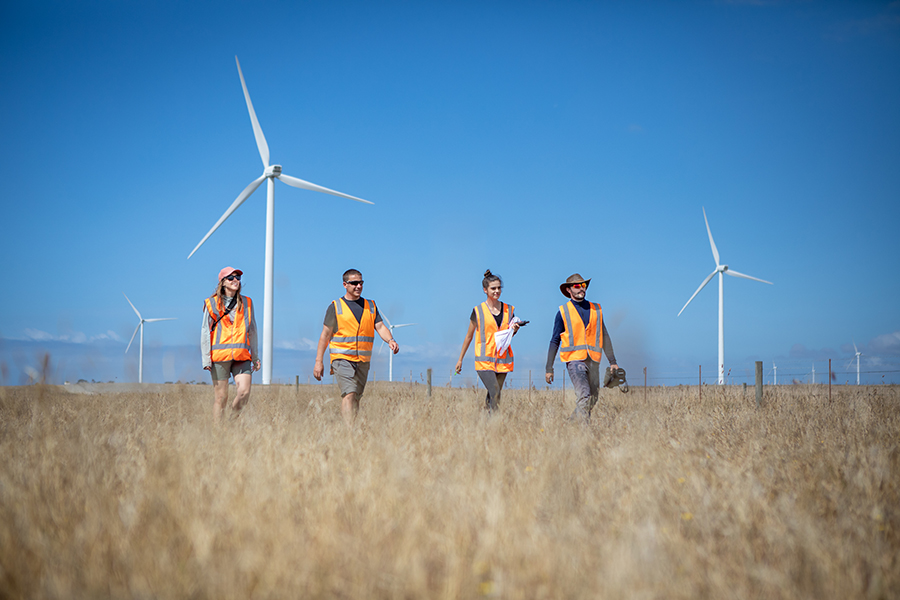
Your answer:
<point x="702" y="285"/>
<point x="132" y="306"/>
<point x="132" y="336"/>
<point x="257" y="130"/>
<point x="404" y="325"/>
<point x="305" y="185"/>
<point x="712" y="244"/>
<point x="736" y="274"/>
<point x="855" y="349"/>
<point x="386" y="320"/>
<point x="237" y="202"/>
<point x="166" y="319"/>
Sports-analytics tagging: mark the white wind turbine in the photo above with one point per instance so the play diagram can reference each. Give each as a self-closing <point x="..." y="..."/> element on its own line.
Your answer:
<point x="858" y="354"/>
<point x="720" y="269"/>
<point x="141" y="327"/>
<point x="391" y="354"/>
<point x="270" y="172"/>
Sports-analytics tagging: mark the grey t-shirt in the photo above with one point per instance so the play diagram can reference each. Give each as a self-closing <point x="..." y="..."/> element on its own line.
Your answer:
<point x="356" y="307"/>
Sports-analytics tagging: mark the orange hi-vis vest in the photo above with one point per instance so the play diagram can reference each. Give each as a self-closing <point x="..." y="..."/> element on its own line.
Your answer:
<point x="230" y="340"/>
<point x="353" y="339"/>
<point x="577" y="342"/>
<point x="486" y="358"/>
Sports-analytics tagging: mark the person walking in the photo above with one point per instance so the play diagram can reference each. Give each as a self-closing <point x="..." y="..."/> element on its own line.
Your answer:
<point x="228" y="341"/>
<point x="349" y="333"/>
<point x="486" y="319"/>
<point x="579" y="335"/>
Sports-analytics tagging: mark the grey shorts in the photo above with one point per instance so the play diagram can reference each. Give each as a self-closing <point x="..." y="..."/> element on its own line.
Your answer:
<point x="221" y="370"/>
<point x="350" y="376"/>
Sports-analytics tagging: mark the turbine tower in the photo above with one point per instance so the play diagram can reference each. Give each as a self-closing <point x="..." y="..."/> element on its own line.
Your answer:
<point x="858" y="354"/>
<point x="720" y="269"/>
<point x="141" y="327"/>
<point x="271" y="173"/>
<point x="391" y="354"/>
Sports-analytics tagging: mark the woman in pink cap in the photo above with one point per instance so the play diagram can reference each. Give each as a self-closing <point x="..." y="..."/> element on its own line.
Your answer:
<point x="228" y="341"/>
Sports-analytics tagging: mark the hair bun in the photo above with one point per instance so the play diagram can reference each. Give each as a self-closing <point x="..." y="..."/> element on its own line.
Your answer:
<point x="488" y="273"/>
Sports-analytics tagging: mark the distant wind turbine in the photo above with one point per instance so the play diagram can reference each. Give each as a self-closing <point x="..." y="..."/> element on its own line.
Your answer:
<point x="141" y="327"/>
<point x="720" y="269"/>
<point x="391" y="354"/>
<point x="858" y="354"/>
<point x="270" y="172"/>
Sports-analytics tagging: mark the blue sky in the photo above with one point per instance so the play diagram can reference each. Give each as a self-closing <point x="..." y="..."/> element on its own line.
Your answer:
<point x="536" y="139"/>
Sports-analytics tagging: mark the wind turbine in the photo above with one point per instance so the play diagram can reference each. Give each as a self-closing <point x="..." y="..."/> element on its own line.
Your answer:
<point x="720" y="269"/>
<point x="270" y="172"/>
<point x="391" y="354"/>
<point x="141" y="327"/>
<point x="858" y="354"/>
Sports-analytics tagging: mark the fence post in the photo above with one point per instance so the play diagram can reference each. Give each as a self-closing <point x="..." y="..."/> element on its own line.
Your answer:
<point x="700" y="381"/>
<point x="297" y="383"/>
<point x="829" y="380"/>
<point x="529" y="385"/>
<point x="758" y="383"/>
<point x="428" y="393"/>
<point x="645" y="384"/>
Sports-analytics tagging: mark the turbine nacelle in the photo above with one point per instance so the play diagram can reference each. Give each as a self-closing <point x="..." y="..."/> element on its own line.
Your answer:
<point x="722" y="268"/>
<point x="272" y="171"/>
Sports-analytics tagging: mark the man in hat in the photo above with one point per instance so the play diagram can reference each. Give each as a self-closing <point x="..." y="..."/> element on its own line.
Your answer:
<point x="579" y="334"/>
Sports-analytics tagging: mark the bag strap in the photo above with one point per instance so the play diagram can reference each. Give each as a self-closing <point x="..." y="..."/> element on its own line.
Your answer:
<point x="225" y="311"/>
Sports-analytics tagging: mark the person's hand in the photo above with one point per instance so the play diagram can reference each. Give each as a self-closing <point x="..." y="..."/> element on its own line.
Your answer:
<point x="318" y="370"/>
<point x="458" y="369"/>
<point x="256" y="364"/>
<point x="394" y="346"/>
<point x="208" y="368"/>
<point x="613" y="367"/>
<point x="548" y="377"/>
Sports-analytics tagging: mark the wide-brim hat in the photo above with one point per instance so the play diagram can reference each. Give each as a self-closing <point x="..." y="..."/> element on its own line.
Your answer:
<point x="228" y="271"/>
<point x="571" y="280"/>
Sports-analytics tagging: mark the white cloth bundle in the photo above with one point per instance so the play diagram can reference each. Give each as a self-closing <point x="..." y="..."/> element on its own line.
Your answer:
<point x="503" y="338"/>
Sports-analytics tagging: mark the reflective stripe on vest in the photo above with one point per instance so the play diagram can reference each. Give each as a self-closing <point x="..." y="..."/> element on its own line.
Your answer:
<point x="574" y="343"/>
<point x="353" y="339"/>
<point x="486" y="358"/>
<point x="230" y="340"/>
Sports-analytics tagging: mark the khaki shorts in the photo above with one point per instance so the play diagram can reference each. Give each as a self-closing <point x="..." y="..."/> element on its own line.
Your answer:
<point x="350" y="376"/>
<point x="221" y="370"/>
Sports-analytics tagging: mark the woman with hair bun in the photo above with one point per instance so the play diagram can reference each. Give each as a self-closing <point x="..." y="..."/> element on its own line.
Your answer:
<point x="488" y="318"/>
<point x="228" y="341"/>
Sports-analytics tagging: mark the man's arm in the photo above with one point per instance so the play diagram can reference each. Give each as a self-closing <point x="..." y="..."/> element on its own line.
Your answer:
<point x="324" y="340"/>
<point x="558" y="328"/>
<point x="385" y="334"/>
<point x="608" y="349"/>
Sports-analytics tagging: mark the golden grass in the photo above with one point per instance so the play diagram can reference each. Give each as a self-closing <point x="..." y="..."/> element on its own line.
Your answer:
<point x="139" y="495"/>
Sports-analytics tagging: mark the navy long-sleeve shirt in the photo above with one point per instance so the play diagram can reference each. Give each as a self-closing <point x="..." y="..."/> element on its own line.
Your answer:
<point x="584" y="311"/>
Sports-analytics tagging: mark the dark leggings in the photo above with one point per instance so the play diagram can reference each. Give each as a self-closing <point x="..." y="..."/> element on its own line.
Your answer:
<point x="494" y="384"/>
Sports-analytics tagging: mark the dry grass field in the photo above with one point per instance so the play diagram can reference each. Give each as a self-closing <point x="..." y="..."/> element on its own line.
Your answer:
<point x="139" y="495"/>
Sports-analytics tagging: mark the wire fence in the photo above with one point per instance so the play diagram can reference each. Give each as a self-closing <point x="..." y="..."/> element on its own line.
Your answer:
<point x="523" y="379"/>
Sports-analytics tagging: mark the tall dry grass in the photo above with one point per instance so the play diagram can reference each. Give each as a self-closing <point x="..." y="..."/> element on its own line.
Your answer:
<point x="138" y="495"/>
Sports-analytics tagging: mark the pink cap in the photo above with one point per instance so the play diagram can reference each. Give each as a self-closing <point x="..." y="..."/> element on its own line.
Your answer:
<point x="228" y="271"/>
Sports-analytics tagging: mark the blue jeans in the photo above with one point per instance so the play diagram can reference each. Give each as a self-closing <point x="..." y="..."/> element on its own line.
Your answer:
<point x="585" y="376"/>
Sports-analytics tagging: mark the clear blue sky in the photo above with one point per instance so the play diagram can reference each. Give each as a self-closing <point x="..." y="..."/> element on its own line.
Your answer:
<point x="536" y="139"/>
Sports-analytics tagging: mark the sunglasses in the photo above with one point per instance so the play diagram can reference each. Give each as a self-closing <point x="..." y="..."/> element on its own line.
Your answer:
<point x="578" y="286"/>
<point x="233" y="277"/>
<point x="360" y="282"/>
